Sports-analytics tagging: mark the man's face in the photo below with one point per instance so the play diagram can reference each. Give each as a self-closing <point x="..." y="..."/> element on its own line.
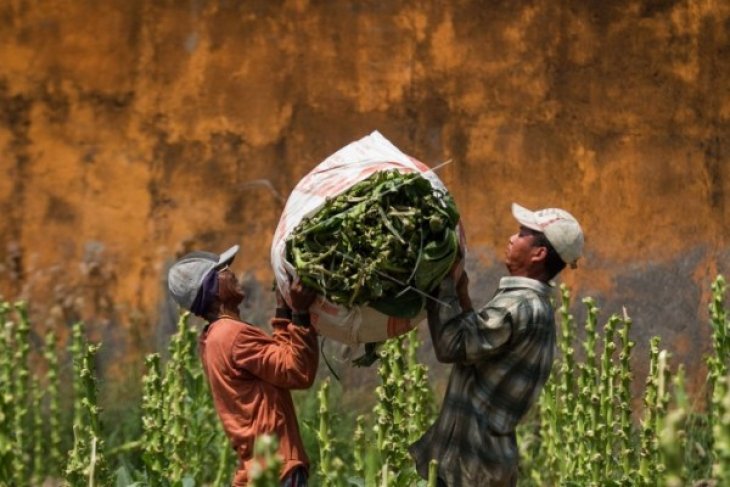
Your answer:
<point x="230" y="293"/>
<point x="521" y="252"/>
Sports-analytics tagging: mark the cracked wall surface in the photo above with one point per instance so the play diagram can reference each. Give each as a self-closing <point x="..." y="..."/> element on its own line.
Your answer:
<point x="133" y="131"/>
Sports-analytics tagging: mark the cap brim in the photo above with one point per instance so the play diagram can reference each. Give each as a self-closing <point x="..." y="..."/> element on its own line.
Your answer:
<point x="227" y="256"/>
<point x="525" y="217"/>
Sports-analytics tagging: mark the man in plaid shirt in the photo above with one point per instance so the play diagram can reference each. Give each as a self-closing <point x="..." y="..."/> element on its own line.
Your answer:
<point x="501" y="354"/>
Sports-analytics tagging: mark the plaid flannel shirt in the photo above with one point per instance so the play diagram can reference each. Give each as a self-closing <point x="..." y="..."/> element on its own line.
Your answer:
<point x="502" y="356"/>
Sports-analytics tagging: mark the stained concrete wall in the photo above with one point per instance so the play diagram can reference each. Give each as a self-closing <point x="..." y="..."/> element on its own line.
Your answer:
<point x="134" y="130"/>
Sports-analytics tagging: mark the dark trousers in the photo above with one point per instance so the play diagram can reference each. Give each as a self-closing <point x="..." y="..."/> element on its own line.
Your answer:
<point x="295" y="478"/>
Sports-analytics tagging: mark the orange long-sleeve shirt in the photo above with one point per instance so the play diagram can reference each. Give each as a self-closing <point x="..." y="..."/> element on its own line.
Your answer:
<point x="250" y="374"/>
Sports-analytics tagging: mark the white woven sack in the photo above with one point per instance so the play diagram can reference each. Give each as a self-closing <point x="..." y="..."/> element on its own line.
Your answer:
<point x="337" y="173"/>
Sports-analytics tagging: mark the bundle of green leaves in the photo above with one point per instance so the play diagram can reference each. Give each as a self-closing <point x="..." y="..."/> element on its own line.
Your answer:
<point x="385" y="242"/>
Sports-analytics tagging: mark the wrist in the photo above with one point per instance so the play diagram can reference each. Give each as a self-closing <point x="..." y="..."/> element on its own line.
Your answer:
<point x="301" y="318"/>
<point x="282" y="312"/>
<point x="465" y="304"/>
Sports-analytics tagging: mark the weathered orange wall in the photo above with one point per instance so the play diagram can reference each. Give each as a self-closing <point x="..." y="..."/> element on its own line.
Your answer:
<point x="134" y="130"/>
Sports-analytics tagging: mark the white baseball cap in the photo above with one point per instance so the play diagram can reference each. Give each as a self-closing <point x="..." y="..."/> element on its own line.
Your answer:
<point x="560" y="228"/>
<point x="186" y="276"/>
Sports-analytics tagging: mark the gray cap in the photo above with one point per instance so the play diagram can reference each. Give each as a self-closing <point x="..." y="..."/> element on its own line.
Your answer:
<point x="560" y="228"/>
<point x="186" y="275"/>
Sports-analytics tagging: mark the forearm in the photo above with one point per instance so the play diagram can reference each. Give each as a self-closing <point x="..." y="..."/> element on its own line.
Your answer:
<point x="444" y="316"/>
<point x="298" y="341"/>
<point x="465" y="335"/>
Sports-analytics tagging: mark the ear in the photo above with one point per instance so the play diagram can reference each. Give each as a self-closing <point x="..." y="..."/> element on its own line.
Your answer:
<point x="539" y="254"/>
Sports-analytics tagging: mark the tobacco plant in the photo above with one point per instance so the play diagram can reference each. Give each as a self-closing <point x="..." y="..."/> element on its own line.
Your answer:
<point x="7" y="436"/>
<point x="266" y="462"/>
<point x="330" y="466"/>
<point x="86" y="461"/>
<point x="55" y="457"/>
<point x="153" y="423"/>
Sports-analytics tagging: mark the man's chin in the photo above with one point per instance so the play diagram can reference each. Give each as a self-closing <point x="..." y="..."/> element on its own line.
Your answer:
<point x="240" y="298"/>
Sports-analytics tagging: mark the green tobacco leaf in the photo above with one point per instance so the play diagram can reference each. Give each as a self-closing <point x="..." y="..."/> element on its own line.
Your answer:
<point x="406" y="306"/>
<point x="437" y="262"/>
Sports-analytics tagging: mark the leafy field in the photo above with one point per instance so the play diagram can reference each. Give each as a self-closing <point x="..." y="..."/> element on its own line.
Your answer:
<point x="583" y="431"/>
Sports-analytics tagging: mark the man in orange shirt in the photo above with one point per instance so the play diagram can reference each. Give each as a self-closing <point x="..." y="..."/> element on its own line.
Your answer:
<point x="249" y="372"/>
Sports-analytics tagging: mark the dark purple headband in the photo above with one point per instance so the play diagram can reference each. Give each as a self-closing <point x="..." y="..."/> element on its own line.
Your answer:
<point x="206" y="294"/>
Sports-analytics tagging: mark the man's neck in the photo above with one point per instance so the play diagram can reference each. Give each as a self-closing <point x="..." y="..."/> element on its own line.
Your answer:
<point x="537" y="274"/>
<point x="232" y="314"/>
